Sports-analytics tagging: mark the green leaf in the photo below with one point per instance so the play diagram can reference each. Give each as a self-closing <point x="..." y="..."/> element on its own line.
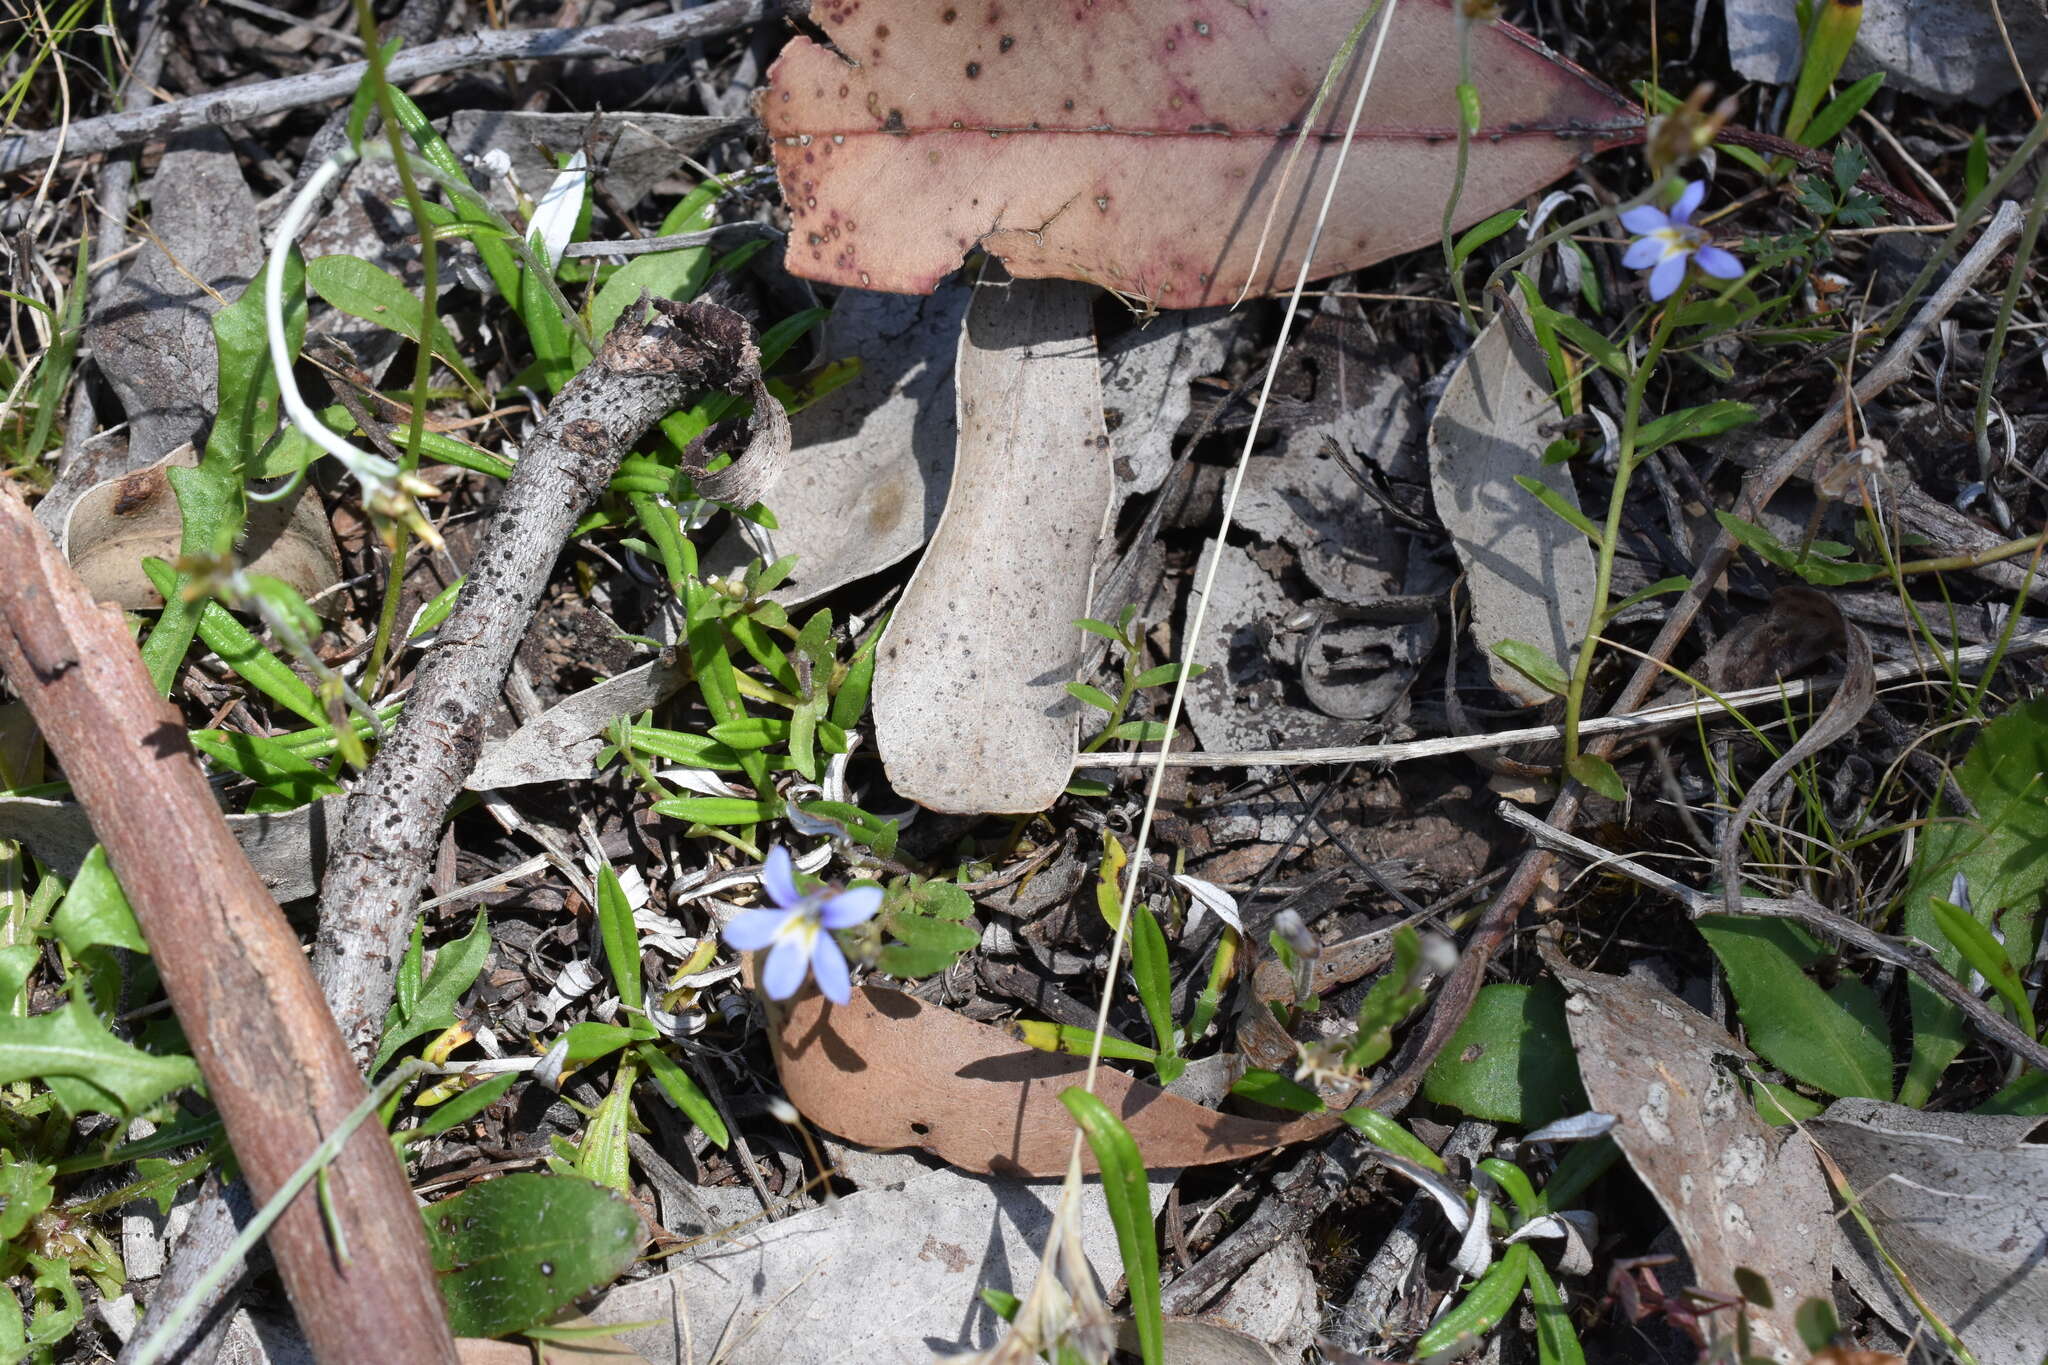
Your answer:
<point x="95" y="911"/>
<point x="621" y="938"/>
<point x="247" y="382"/>
<point x="1555" y="501"/>
<point x="1164" y="674"/>
<point x="284" y="781"/>
<point x="1597" y="773"/>
<point x="1976" y="165"/>
<point x="1482" y="232"/>
<point x="432" y="1009"/>
<point x="1816" y="567"/>
<point x="1074" y="1041"/>
<point x="461" y="1109"/>
<point x="926" y="945"/>
<point x="17" y="960"/>
<point x="1778" y="1105"/>
<point x="602" y="1155"/>
<point x="1092" y="695"/>
<point x="1511" y="1061"/>
<point x="365" y="290"/>
<point x="1598" y="348"/>
<point x="25" y="1191"/>
<point x="1130" y="1211"/>
<point x="1152" y="971"/>
<point x="683" y="1092"/>
<point x="2003" y="857"/>
<point x="514" y="1251"/>
<point x="678" y="274"/>
<point x="677" y="746"/>
<point x="1276" y="1091"/>
<point x="1389" y="1136"/>
<point x="1842" y="108"/>
<point x="1557" y="1341"/>
<point x="1693" y="424"/>
<point x="1677" y="583"/>
<point x="1534" y="664"/>
<point x="1986" y="956"/>
<point x="211" y="507"/>
<point x="1483" y="1307"/>
<point x="719" y="810"/>
<point x="1832" y="1040"/>
<point x="85" y="1066"/>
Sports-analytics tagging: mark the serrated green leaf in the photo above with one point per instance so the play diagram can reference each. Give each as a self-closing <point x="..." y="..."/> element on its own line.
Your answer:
<point x="95" y="911"/>
<point x="512" y="1252"/>
<point x="1511" y="1061"/>
<point x="1833" y="1040"/>
<point x="71" y="1044"/>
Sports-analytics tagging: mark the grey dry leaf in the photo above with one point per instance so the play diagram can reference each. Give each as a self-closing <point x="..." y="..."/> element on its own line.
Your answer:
<point x="286" y="849"/>
<point x="1530" y="575"/>
<point x="871" y="461"/>
<point x="971" y="709"/>
<point x="1960" y="1201"/>
<point x="885" y="1275"/>
<point x="562" y="743"/>
<point x="115" y="524"/>
<point x="1740" y="1194"/>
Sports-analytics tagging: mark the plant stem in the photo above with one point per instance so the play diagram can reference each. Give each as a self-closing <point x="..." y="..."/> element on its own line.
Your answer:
<point x="1468" y="110"/>
<point x="1995" y="348"/>
<point x="423" y="363"/>
<point x="1603" y="574"/>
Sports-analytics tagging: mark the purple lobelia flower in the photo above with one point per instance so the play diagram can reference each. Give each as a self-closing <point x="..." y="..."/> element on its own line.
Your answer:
<point x="1665" y="242"/>
<point x="797" y="933"/>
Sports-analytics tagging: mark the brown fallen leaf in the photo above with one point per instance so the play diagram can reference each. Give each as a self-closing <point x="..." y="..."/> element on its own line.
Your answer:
<point x="889" y="1070"/>
<point x="1137" y="144"/>
<point x="1740" y="1195"/>
<point x="113" y="525"/>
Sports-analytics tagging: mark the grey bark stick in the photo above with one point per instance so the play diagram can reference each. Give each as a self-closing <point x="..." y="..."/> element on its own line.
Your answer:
<point x="240" y="103"/>
<point x="372" y="889"/>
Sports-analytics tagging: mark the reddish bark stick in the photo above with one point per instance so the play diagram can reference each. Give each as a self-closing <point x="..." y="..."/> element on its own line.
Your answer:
<point x="235" y="971"/>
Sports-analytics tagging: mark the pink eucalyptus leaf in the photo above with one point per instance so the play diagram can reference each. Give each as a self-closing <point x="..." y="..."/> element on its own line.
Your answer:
<point x="1139" y="144"/>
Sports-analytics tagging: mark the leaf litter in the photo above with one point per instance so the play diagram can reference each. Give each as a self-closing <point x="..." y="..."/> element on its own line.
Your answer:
<point x="599" y="970"/>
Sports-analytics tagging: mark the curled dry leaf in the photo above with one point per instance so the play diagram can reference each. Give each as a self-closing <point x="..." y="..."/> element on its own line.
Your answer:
<point x="890" y="1071"/>
<point x="113" y="525"/>
<point x="971" y="708"/>
<point x="1740" y="1195"/>
<point x="1138" y="144"/>
<point x="1530" y="574"/>
<point x="562" y="743"/>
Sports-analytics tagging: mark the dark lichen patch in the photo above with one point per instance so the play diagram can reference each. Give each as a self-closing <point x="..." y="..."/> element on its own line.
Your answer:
<point x="1006" y="42"/>
<point x="893" y="123"/>
<point x="948" y="15"/>
<point x="973" y="70"/>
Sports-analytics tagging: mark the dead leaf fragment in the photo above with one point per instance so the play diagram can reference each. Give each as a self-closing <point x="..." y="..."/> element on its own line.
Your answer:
<point x="971" y="709"/>
<point x="1530" y="574"/>
<point x="1961" y="1202"/>
<point x="113" y="525"/>
<point x="1740" y="1195"/>
<point x="890" y="1071"/>
<point x="1137" y="143"/>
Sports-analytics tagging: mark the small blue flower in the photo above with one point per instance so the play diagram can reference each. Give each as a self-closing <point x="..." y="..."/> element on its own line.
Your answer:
<point x="796" y="932"/>
<point x="1666" y="241"/>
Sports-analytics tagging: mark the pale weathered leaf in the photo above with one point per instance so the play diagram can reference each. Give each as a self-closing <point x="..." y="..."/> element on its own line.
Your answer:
<point x="1137" y="144"/>
<point x="562" y="743"/>
<point x="1960" y="1201"/>
<point x="889" y="1275"/>
<point x="1530" y="574"/>
<point x="971" y="708"/>
<point x="871" y="461"/>
<point x="1741" y="1195"/>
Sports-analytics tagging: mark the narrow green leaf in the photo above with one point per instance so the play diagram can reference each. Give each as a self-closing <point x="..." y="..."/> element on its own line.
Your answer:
<point x="365" y="290"/>
<point x="1276" y="1091"/>
<point x="621" y="938"/>
<point x="1842" y="108"/>
<point x="1482" y="232"/>
<point x="683" y="1092"/>
<point x="1556" y="502"/>
<point x="1693" y="424"/>
<point x="1130" y="1211"/>
<point x="1093" y="695"/>
<point x="462" y="1108"/>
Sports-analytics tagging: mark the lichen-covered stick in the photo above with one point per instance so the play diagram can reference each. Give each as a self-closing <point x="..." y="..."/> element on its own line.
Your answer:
<point x="371" y="892"/>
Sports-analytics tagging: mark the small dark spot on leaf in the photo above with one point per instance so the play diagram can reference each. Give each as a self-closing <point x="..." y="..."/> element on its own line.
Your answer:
<point x="948" y="15"/>
<point x="1007" y="42"/>
<point x="973" y="70"/>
